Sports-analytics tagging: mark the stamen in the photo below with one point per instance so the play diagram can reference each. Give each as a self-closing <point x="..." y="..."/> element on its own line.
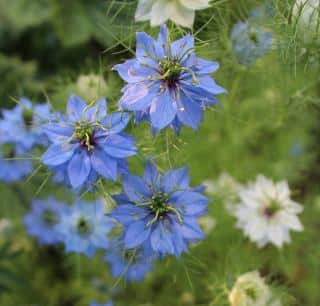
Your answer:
<point x="83" y="227"/>
<point x="27" y="117"/>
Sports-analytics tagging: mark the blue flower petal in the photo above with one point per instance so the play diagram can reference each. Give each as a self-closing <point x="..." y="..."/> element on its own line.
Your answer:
<point x="161" y="239"/>
<point x="96" y="112"/>
<point x="104" y="164"/>
<point x="190" y="203"/>
<point x="58" y="132"/>
<point x="128" y="213"/>
<point x="116" y="122"/>
<point x="206" y="67"/>
<point x="190" y="229"/>
<point x="138" y="96"/>
<point x="151" y="176"/>
<point x="118" y="146"/>
<point x="163" y="110"/>
<point x="145" y="45"/>
<point x="58" y="154"/>
<point x="189" y="112"/>
<point x="79" y="168"/>
<point x="135" y="188"/>
<point x="176" y="179"/>
<point x="75" y="108"/>
<point x="136" y="234"/>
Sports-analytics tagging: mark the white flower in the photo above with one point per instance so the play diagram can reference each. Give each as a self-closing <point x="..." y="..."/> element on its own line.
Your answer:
<point x="91" y="86"/>
<point x="225" y="187"/>
<point x="307" y="18"/>
<point x="251" y="290"/>
<point x="181" y="12"/>
<point x="5" y="226"/>
<point x="266" y="213"/>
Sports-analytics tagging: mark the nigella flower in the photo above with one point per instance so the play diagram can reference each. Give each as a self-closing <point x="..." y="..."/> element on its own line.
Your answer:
<point x="88" y="143"/>
<point x="181" y="12"/>
<point x="84" y="227"/>
<point x="43" y="220"/>
<point x="160" y="211"/>
<point x="167" y="83"/>
<point x="250" y="289"/>
<point x="250" y="42"/>
<point x="96" y="304"/>
<point x="22" y="124"/>
<point x="266" y="212"/>
<point x="132" y="264"/>
<point x="15" y="164"/>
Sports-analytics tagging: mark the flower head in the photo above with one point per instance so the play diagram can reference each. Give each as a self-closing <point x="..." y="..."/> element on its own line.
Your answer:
<point x="22" y="125"/>
<point x="250" y="289"/>
<point x="167" y="83"/>
<point x="132" y="264"/>
<point x="266" y="212"/>
<point x="43" y="220"/>
<point x="90" y="85"/>
<point x="88" y="143"/>
<point x="160" y="210"/>
<point x="226" y="188"/>
<point x="181" y="12"/>
<point x="15" y="164"/>
<point x="96" y="304"/>
<point x="250" y="42"/>
<point x="84" y="228"/>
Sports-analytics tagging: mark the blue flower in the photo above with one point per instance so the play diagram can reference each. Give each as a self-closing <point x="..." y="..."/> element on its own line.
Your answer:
<point x="22" y="124"/>
<point x="43" y="220"/>
<point x="15" y="164"/>
<point x="96" y="304"/>
<point x="250" y="42"/>
<point x="84" y="228"/>
<point x="160" y="211"/>
<point x="132" y="264"/>
<point x="88" y="143"/>
<point x="167" y="84"/>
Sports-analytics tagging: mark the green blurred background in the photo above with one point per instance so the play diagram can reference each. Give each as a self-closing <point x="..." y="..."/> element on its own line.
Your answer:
<point x="266" y="124"/>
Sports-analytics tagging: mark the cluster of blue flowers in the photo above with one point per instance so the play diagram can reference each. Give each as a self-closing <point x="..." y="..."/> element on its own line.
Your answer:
<point x="20" y="131"/>
<point x="168" y="85"/>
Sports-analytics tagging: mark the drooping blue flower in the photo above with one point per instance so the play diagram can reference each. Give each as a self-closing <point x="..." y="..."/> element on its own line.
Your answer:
<point x="96" y="304"/>
<point x="15" y="164"/>
<point x="22" y="124"/>
<point x="265" y="10"/>
<point x="88" y="143"/>
<point x="132" y="264"/>
<point x="84" y="227"/>
<point x="160" y="210"/>
<point x="43" y="220"/>
<point x="250" y="42"/>
<point x="167" y="84"/>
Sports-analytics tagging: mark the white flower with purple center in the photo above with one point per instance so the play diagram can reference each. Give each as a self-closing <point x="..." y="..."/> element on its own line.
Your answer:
<point x="266" y="213"/>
